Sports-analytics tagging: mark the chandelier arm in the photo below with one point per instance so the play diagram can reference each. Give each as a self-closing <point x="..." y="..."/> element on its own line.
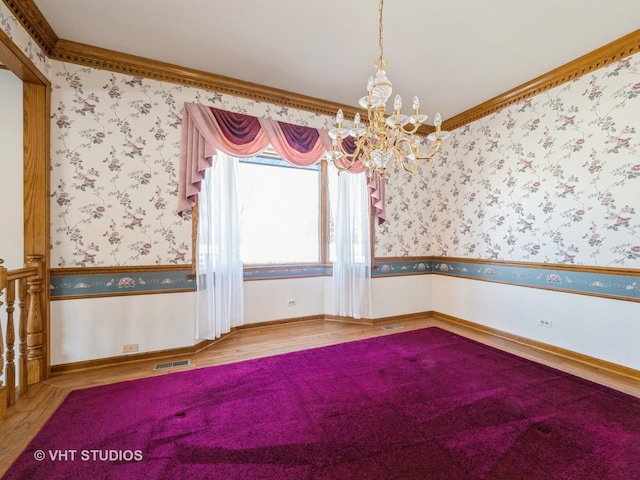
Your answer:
<point x="412" y="130"/>
<point x="350" y="158"/>
<point x="403" y="156"/>
<point x="360" y="149"/>
<point x="346" y="157"/>
<point x="431" y="154"/>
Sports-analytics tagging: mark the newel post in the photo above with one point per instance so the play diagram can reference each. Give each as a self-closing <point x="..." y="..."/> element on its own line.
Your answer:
<point x="35" y="337"/>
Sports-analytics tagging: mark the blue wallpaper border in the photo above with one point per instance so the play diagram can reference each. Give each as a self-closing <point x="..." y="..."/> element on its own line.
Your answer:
<point x="624" y="287"/>
<point x="619" y="286"/>
<point x="401" y="267"/>
<point x="106" y="284"/>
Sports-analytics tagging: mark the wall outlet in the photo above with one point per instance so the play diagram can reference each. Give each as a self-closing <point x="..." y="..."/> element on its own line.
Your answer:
<point x="133" y="347"/>
<point x="291" y="302"/>
<point x="544" y="323"/>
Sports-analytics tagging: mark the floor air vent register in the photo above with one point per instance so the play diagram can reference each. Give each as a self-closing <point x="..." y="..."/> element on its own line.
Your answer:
<point x="167" y="365"/>
<point x="392" y="327"/>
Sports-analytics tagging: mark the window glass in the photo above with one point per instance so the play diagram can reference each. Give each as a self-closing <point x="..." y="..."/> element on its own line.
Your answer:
<point x="279" y="208"/>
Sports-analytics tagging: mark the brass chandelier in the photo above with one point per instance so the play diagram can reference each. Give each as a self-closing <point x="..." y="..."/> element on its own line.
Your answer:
<point x="383" y="140"/>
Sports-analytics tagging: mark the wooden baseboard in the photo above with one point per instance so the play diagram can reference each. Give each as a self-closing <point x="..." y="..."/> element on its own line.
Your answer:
<point x="283" y="321"/>
<point x="136" y="357"/>
<point x="171" y="352"/>
<point x="543" y="347"/>
<point x="379" y="321"/>
<point x="184" y="351"/>
<point x="442" y="317"/>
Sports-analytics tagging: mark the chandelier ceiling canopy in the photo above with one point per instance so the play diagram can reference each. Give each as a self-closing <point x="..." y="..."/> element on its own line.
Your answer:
<point x="383" y="140"/>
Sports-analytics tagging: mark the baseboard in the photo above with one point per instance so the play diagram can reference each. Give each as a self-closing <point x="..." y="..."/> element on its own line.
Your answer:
<point x="381" y="320"/>
<point x="283" y="321"/>
<point x="136" y="357"/>
<point x="171" y="352"/>
<point x="442" y="317"/>
<point x="184" y="351"/>
<point x="543" y="347"/>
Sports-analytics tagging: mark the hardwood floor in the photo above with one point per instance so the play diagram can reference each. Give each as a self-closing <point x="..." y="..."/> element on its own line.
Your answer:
<point x="32" y="410"/>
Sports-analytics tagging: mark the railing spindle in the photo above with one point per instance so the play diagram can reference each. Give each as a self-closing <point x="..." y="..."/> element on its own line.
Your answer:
<point x="22" y="335"/>
<point x="10" y="367"/>
<point x="3" y="389"/>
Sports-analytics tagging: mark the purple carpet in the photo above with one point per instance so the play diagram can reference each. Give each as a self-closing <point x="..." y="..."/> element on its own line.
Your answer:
<point x="423" y="404"/>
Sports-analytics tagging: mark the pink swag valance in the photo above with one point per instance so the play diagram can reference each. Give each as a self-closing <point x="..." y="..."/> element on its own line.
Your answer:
<point x="206" y="130"/>
<point x="375" y="183"/>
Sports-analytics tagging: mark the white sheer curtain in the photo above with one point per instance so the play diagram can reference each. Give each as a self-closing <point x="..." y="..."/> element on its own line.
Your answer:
<point x="352" y="265"/>
<point x="219" y="268"/>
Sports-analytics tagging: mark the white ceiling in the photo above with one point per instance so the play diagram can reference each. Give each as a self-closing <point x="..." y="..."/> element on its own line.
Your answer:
<point x="453" y="54"/>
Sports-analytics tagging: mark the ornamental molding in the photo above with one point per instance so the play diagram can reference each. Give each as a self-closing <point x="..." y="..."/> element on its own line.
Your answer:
<point x="62" y="50"/>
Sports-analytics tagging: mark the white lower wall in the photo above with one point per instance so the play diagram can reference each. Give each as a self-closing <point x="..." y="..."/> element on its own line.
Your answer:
<point x="599" y="327"/>
<point x="401" y="295"/>
<point x="267" y="300"/>
<point x="92" y="328"/>
<point x="392" y="296"/>
<point x="87" y="329"/>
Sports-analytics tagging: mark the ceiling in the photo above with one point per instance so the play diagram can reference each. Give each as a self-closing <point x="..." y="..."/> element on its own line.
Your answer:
<point x="453" y="55"/>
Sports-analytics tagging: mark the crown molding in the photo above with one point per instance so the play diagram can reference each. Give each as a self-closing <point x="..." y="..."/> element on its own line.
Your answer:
<point x="611" y="52"/>
<point x="104" y="59"/>
<point x="101" y="58"/>
<point x="31" y="18"/>
<point x="34" y="22"/>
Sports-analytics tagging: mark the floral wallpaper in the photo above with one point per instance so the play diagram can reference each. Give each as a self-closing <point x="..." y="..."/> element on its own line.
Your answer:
<point x="115" y="152"/>
<point x="406" y="232"/>
<point x="555" y="178"/>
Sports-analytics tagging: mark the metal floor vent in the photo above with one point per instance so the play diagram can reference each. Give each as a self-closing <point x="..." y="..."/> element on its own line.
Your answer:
<point x="164" y="366"/>
<point x="395" y="326"/>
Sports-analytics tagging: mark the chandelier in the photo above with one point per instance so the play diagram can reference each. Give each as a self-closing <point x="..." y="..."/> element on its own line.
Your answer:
<point x="383" y="140"/>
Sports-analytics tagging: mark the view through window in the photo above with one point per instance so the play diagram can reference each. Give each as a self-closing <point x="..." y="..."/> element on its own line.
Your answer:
<point x="280" y="210"/>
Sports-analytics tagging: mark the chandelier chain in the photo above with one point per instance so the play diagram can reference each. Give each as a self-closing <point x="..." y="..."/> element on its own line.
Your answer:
<point x="380" y="43"/>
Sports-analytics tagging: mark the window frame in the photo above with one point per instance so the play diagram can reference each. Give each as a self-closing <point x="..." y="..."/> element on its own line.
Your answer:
<point x="302" y="269"/>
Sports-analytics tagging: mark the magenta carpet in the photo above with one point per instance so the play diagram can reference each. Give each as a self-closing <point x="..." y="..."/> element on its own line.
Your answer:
<point x="423" y="404"/>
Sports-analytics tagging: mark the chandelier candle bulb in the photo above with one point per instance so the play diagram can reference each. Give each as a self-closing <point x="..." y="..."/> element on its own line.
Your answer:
<point x="397" y="104"/>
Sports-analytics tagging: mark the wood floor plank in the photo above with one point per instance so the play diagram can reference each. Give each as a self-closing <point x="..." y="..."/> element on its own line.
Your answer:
<point x="30" y="413"/>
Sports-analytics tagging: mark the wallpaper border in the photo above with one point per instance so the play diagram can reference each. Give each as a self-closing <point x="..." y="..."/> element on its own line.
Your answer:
<point x="619" y="284"/>
<point x="586" y="282"/>
<point x="119" y="282"/>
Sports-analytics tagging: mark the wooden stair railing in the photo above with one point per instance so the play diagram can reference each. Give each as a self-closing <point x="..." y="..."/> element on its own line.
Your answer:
<point x="27" y="282"/>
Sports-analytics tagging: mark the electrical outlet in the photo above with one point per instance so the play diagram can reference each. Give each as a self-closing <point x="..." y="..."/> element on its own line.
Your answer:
<point x="544" y="323"/>
<point x="291" y="302"/>
<point x="133" y="347"/>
